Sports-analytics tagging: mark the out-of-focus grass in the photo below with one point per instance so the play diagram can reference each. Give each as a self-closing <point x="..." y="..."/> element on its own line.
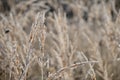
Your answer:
<point x="59" y="40"/>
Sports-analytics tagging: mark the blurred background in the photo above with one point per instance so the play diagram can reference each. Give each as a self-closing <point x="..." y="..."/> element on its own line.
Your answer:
<point x="82" y="40"/>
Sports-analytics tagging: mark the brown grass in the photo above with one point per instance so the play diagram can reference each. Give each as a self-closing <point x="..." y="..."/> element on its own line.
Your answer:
<point x="59" y="40"/>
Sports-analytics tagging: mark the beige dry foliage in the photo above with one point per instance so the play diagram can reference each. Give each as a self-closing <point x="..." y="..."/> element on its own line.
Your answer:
<point x="59" y="40"/>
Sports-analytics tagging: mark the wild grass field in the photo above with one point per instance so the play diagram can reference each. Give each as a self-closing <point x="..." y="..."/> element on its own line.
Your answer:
<point x="59" y="40"/>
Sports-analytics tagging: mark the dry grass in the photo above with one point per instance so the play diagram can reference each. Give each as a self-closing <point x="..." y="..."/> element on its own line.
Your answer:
<point x="59" y="40"/>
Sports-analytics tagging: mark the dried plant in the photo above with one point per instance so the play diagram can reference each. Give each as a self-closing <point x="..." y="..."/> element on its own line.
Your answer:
<point x="59" y="40"/>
